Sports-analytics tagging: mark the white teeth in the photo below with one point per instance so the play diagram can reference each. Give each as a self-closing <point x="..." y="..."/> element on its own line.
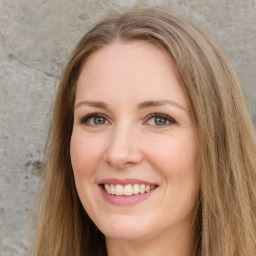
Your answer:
<point x="142" y="188"/>
<point x="127" y="190"/>
<point x="107" y="187"/>
<point x="112" y="190"/>
<point x="136" y="189"/>
<point x="119" y="190"/>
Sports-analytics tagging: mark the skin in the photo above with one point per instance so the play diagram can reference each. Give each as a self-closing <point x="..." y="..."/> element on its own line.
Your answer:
<point x="128" y="142"/>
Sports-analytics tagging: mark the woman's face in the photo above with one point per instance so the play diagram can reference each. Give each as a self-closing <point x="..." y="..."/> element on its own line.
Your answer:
<point x="134" y="144"/>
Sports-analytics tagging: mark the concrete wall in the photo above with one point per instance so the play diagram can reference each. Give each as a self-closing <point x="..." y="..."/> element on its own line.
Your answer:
<point x="36" y="37"/>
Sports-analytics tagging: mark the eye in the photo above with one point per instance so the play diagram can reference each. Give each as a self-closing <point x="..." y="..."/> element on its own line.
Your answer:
<point x="160" y="119"/>
<point x="94" y="119"/>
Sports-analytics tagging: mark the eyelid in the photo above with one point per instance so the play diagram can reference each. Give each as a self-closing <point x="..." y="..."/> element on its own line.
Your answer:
<point x="83" y="120"/>
<point x="86" y="117"/>
<point x="170" y="119"/>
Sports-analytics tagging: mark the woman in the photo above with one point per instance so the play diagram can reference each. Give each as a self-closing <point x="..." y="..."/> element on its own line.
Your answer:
<point x="151" y="149"/>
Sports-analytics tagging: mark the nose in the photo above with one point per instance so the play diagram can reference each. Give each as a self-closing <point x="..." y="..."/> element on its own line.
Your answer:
<point x="123" y="149"/>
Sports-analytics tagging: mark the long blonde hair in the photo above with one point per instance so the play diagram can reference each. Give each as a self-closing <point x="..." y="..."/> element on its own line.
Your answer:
<point x="227" y="145"/>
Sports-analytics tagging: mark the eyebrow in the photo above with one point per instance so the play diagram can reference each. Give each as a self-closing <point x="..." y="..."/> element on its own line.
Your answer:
<point x="153" y="103"/>
<point x="142" y="105"/>
<point x="95" y="104"/>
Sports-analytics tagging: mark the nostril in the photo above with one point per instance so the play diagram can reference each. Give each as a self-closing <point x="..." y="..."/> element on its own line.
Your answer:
<point x="123" y="158"/>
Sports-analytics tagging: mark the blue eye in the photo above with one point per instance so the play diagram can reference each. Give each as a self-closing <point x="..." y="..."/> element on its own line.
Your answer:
<point x="98" y="120"/>
<point x="158" y="119"/>
<point x="94" y="120"/>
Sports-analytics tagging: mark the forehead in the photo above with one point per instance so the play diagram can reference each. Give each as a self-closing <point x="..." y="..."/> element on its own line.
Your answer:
<point x="129" y="69"/>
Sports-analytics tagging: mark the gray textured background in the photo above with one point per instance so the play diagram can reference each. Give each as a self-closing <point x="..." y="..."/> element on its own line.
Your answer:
<point x="36" y="37"/>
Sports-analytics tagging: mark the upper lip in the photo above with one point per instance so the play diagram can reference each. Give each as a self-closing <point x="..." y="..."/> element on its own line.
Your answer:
<point x="127" y="181"/>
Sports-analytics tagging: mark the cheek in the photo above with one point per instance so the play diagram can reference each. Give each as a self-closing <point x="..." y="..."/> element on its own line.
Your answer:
<point x="176" y="160"/>
<point x="85" y="155"/>
<point x="175" y="157"/>
<point x="85" y="158"/>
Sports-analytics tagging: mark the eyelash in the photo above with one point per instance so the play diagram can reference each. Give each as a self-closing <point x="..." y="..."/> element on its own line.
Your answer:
<point x="84" y="120"/>
<point x="163" y="116"/>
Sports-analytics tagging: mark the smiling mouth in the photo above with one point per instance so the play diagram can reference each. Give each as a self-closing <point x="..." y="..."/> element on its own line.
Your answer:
<point x="127" y="190"/>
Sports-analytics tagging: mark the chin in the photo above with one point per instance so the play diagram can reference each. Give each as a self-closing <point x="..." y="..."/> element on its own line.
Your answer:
<point x="123" y="229"/>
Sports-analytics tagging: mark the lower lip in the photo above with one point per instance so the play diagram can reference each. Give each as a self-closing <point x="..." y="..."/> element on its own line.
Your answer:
<point x="126" y="200"/>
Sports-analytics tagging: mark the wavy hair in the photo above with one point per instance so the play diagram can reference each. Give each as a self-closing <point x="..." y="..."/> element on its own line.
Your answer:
<point x="226" y="220"/>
